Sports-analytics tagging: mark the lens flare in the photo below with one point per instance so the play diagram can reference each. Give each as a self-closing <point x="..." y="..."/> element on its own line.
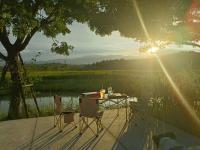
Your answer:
<point x="141" y="20"/>
<point x="182" y="99"/>
<point x="153" y="49"/>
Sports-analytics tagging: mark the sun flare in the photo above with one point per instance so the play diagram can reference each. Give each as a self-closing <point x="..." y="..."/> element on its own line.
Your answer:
<point x="153" y="49"/>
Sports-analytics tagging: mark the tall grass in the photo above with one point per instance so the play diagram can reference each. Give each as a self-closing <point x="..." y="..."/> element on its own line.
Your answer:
<point x="174" y="114"/>
<point x="142" y="84"/>
<point x="136" y="83"/>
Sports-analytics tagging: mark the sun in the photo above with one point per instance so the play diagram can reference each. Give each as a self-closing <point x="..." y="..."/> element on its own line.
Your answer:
<point x="153" y="49"/>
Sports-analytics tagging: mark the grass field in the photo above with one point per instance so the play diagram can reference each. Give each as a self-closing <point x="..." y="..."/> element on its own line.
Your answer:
<point x="142" y="84"/>
<point x="131" y="82"/>
<point x="134" y="83"/>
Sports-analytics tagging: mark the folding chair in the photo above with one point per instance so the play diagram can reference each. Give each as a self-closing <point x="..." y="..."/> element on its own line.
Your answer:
<point x="133" y="106"/>
<point x="89" y="108"/>
<point x="62" y="116"/>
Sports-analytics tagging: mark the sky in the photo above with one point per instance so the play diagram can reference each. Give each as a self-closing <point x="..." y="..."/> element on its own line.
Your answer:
<point x="85" y="42"/>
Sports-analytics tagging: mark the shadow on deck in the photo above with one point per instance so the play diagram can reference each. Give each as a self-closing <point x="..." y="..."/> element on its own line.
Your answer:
<point x="117" y="134"/>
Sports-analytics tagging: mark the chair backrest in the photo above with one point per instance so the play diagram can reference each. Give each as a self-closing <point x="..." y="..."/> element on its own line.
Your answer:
<point x="89" y="107"/>
<point x="57" y="104"/>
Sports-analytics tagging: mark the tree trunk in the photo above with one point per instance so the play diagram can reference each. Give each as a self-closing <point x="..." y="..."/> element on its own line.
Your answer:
<point x="15" y="99"/>
<point x="4" y="71"/>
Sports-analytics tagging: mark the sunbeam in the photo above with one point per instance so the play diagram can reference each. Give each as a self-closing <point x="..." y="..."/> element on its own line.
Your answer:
<point x="176" y="89"/>
<point x="178" y="92"/>
<point x="141" y="20"/>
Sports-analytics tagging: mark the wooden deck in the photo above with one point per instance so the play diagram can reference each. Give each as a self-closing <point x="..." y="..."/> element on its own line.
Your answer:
<point x="117" y="134"/>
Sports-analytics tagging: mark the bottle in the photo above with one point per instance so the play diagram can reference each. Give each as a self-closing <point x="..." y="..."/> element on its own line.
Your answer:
<point x="110" y="92"/>
<point x="102" y="93"/>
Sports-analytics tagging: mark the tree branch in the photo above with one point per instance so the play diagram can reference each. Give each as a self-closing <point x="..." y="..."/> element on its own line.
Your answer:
<point x="18" y="42"/>
<point x="3" y="57"/>
<point x="5" y="40"/>
<point x="27" y="39"/>
<point x="33" y="31"/>
<point x="36" y="7"/>
<point x="21" y="43"/>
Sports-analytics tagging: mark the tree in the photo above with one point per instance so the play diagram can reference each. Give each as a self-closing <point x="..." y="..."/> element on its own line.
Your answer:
<point x="155" y="21"/>
<point x="23" y="18"/>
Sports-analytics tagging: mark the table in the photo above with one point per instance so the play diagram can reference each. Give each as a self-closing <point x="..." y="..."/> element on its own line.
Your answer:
<point x="117" y="99"/>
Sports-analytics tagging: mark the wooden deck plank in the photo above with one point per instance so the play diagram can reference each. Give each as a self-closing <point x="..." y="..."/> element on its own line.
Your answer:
<point x="117" y="134"/>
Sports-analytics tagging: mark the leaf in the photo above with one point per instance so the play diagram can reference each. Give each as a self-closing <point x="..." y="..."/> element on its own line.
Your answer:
<point x="62" y="48"/>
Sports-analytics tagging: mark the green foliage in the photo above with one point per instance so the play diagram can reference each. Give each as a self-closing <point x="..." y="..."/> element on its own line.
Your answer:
<point x="63" y="48"/>
<point x="23" y="19"/>
<point x="169" y="20"/>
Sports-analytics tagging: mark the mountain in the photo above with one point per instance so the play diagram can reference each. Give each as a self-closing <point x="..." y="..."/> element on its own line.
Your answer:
<point x="88" y="57"/>
<point x="84" y="59"/>
<point x="173" y="61"/>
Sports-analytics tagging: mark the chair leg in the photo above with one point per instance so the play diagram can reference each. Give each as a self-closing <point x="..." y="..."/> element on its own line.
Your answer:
<point x="60" y="122"/>
<point x="87" y="124"/>
<point x="80" y="125"/>
<point x="56" y="118"/>
<point x="82" y="122"/>
<point x="54" y="122"/>
<point x="74" y="124"/>
<point x="99" y="125"/>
